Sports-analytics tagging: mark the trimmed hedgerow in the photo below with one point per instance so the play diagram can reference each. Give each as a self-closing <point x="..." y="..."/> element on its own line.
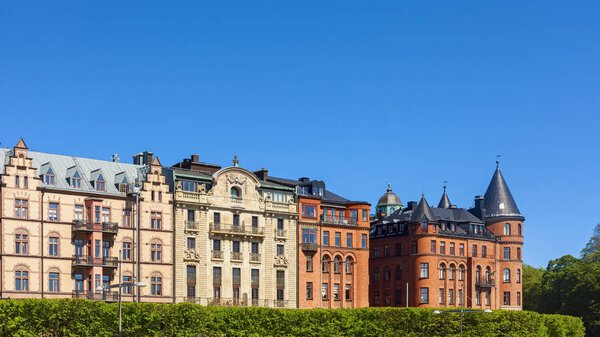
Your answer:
<point x="72" y="317"/>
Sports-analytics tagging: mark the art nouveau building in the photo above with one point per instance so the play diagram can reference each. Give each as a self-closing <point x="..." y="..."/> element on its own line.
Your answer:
<point x="64" y="220"/>
<point x="235" y="236"/>
<point x="447" y="256"/>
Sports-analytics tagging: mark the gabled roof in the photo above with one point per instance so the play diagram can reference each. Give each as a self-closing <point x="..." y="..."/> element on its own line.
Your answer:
<point x="21" y="144"/>
<point x="46" y="168"/>
<point x="498" y="200"/>
<point x="422" y="212"/>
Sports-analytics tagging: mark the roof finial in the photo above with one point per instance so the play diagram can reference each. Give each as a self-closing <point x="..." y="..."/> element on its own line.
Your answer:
<point x="389" y="189"/>
<point x="498" y="160"/>
<point x="236" y="162"/>
<point x="445" y="182"/>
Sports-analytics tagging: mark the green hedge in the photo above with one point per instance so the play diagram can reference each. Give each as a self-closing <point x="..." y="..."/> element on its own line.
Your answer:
<point x="88" y="318"/>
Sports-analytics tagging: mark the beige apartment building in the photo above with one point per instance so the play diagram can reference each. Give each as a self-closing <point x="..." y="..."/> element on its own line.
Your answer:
<point x="64" y="220"/>
<point x="235" y="236"/>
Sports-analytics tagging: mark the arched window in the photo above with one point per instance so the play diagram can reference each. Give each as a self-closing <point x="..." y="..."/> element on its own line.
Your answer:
<point x="21" y="279"/>
<point x="336" y="265"/>
<point x="478" y="274"/>
<point x="159" y="196"/>
<point x="235" y="192"/>
<point x="518" y="275"/>
<point x="506" y="275"/>
<point x="387" y="274"/>
<point x="156" y="285"/>
<point x="22" y="242"/>
<point x="461" y="272"/>
<point x="152" y="195"/>
<point x="156" y="251"/>
<point x="25" y="181"/>
<point x="325" y="264"/>
<point x="17" y="182"/>
<point x="518" y="253"/>
<point x="519" y="230"/>
<point x="348" y="265"/>
<point x="442" y="271"/>
<point x="451" y="272"/>
<point x="488" y="275"/>
<point x="506" y="229"/>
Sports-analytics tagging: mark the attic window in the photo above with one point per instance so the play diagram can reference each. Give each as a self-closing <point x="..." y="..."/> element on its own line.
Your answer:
<point x="75" y="180"/>
<point x="236" y="192"/>
<point x="100" y="183"/>
<point x="49" y="178"/>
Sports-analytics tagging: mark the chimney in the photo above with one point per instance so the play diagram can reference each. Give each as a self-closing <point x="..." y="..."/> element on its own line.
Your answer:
<point x="262" y="174"/>
<point x="411" y="205"/>
<point x="138" y="158"/>
<point x="304" y="179"/>
<point x="147" y="157"/>
<point x="479" y="200"/>
<point x="195" y="158"/>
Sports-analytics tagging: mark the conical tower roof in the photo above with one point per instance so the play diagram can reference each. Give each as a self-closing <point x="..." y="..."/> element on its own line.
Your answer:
<point x="389" y="198"/>
<point x="422" y="211"/>
<point x="444" y="201"/>
<point x="498" y="200"/>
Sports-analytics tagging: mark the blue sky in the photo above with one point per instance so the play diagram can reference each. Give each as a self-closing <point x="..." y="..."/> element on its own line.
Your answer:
<point x="358" y="94"/>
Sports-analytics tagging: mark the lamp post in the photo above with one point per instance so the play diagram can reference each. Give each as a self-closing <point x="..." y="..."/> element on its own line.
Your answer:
<point x="120" y="285"/>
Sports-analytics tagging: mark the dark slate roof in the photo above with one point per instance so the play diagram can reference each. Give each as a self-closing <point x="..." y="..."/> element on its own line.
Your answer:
<point x="499" y="201"/>
<point x="444" y="201"/>
<point x="328" y="196"/>
<point x="422" y="211"/>
<point x="457" y="215"/>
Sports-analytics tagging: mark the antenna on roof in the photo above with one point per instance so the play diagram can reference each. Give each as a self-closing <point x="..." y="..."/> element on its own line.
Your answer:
<point x="498" y="160"/>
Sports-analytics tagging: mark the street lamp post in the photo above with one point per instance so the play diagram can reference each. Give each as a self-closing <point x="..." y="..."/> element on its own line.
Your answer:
<point x="120" y="285"/>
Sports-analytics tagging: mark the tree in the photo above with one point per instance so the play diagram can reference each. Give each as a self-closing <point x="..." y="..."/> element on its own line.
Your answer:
<point x="593" y="246"/>
<point x="532" y="287"/>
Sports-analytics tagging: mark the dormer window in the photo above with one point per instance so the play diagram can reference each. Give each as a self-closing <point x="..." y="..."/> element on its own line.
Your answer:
<point x="49" y="178"/>
<point x="235" y="192"/>
<point x="100" y="183"/>
<point x="76" y="180"/>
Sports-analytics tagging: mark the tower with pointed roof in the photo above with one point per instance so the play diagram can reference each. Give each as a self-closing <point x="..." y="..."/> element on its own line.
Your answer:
<point x="388" y="203"/>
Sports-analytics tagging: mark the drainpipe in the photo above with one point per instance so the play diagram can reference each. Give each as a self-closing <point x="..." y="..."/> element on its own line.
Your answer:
<point x="42" y="243"/>
<point x="139" y="243"/>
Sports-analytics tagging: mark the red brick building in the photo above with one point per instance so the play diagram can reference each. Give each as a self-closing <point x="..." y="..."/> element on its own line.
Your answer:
<point x="333" y="253"/>
<point x="445" y="256"/>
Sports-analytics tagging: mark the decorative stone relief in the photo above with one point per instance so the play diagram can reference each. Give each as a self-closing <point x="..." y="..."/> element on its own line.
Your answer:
<point x="281" y="261"/>
<point x="191" y="254"/>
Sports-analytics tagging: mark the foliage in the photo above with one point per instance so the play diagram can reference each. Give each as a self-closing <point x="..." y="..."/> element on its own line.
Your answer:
<point x="532" y="284"/>
<point x="75" y="317"/>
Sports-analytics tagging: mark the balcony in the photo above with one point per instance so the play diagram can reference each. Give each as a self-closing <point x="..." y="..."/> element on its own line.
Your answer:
<point x="280" y="303"/>
<point x="275" y="206"/>
<point x="217" y="279"/>
<point x="110" y="228"/>
<point x="192" y="226"/>
<point x="227" y="302"/>
<point x="255" y="282"/>
<point x="236" y="280"/>
<point x="108" y="296"/>
<point x="280" y="233"/>
<point x="235" y="229"/>
<point x="110" y="262"/>
<point x="87" y="226"/>
<point x="310" y="246"/>
<point x="236" y="201"/>
<point x="485" y="282"/>
<point x="237" y="256"/>
<point x="217" y="255"/>
<point x="191" y="197"/>
<point x="337" y="220"/>
<point x="254" y="257"/>
<point x="83" y="261"/>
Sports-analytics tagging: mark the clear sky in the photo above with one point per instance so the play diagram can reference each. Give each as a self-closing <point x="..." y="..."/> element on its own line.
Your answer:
<point x="358" y="94"/>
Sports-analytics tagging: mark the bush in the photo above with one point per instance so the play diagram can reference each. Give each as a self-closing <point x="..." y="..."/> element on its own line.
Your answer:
<point x="73" y="317"/>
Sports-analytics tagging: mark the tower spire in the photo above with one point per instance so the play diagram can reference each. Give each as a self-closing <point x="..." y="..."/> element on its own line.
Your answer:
<point x="498" y="201"/>
<point x="444" y="201"/>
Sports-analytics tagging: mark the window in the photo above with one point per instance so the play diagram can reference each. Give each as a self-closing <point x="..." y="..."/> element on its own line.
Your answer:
<point x="424" y="227"/>
<point x="518" y="275"/>
<point x="451" y="272"/>
<point x="376" y="275"/>
<point x="387" y="274"/>
<point x="217" y="218"/>
<point x="189" y="186"/>
<point x="53" y="246"/>
<point x="235" y="192"/>
<point x="53" y="211"/>
<point x="97" y="248"/>
<point x="461" y="249"/>
<point x="364" y="241"/>
<point x="507" y="253"/>
<point x="398" y="249"/>
<point x="49" y="178"/>
<point x="433" y="247"/>
<point x="217" y="275"/>
<point x="309" y="290"/>
<point x="156" y="220"/>
<point x="75" y="180"/>
<point x="336" y="265"/>
<point x="309" y="235"/>
<point x="325" y="264"/>
<point x="507" y="298"/>
<point x="506" y="229"/>
<point x="474" y="251"/>
<point x="191" y="243"/>
<point x="365" y="215"/>
<point x="236" y="219"/>
<point x="325" y="291"/>
<point x="156" y="285"/>
<point x="348" y="269"/>
<point x="156" y="252"/>
<point x="451" y="248"/>
<point x="254" y="248"/>
<point x="518" y="253"/>
<point x="519" y="228"/>
<point x="338" y="239"/>
<point x="386" y="251"/>
<point x="461" y="272"/>
<point x="21" y="280"/>
<point x="424" y="270"/>
<point x="21" y="243"/>
<point x="236" y="275"/>
<point x="326" y="238"/>
<point x="17" y="181"/>
<point x="478" y="274"/>
<point x="105" y="214"/>
<point x="413" y="247"/>
<point x="506" y="275"/>
<point x="309" y="263"/>
<point x="25" y="182"/>
<point x="460" y="296"/>
<point x="518" y="298"/>
<point x="484" y="251"/>
<point x="443" y="247"/>
<point x="21" y="208"/>
<point x="349" y="240"/>
<point x="255" y="222"/>
<point x="375" y="252"/>
<point x="126" y="251"/>
<point x="442" y="271"/>
<point x="477" y="297"/>
<point x="450" y="296"/>
<point x="442" y="296"/>
<point x="348" y="292"/>
<point x="309" y="211"/>
<point x="280" y="250"/>
<point x="127" y="217"/>
<point x="336" y="291"/>
<point x="424" y="298"/>
<point x="100" y="183"/>
<point x="53" y="282"/>
<point x="78" y="212"/>
<point x="398" y="273"/>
